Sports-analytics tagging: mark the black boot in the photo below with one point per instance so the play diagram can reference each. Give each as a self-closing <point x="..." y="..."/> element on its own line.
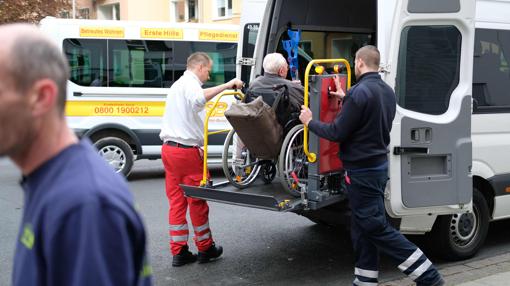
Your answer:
<point x="210" y="254"/>
<point x="184" y="257"/>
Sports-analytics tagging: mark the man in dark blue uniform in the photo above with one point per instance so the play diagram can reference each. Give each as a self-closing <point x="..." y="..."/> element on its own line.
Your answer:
<point x="79" y="226"/>
<point x="363" y="129"/>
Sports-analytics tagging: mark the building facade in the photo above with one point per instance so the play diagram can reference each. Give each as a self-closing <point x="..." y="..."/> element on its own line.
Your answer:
<point x="206" y="11"/>
<point x="189" y="11"/>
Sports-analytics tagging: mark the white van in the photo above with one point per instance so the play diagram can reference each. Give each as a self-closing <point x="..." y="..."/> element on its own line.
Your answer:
<point x="448" y="62"/>
<point x="120" y="73"/>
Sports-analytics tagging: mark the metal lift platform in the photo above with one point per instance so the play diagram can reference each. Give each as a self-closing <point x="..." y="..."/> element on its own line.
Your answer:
<point x="270" y="196"/>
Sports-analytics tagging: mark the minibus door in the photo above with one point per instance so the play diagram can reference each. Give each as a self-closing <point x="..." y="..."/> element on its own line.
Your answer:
<point x="429" y="62"/>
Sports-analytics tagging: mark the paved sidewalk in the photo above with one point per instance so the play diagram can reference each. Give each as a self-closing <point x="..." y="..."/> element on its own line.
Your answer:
<point x="493" y="280"/>
<point x="493" y="271"/>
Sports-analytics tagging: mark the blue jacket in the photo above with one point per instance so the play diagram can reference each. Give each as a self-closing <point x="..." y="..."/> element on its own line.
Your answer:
<point x="79" y="226"/>
<point x="363" y="126"/>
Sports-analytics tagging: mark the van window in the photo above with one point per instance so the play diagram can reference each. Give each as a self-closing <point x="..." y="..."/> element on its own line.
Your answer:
<point x="491" y="73"/>
<point x="87" y="60"/>
<point x="139" y="63"/>
<point x="250" y="33"/>
<point x="327" y="45"/>
<point x="428" y="68"/>
<point x="222" y="54"/>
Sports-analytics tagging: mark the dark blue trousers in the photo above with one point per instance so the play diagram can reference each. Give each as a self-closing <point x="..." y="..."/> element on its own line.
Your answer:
<point x="372" y="234"/>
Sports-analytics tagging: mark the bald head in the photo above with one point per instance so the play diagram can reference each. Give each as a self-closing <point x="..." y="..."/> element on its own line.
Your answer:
<point x="28" y="56"/>
<point x="370" y="56"/>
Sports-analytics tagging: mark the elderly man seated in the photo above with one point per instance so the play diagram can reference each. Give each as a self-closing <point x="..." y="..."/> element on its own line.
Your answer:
<point x="275" y="74"/>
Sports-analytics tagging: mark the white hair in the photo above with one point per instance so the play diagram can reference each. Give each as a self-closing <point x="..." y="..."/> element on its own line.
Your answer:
<point x="273" y="62"/>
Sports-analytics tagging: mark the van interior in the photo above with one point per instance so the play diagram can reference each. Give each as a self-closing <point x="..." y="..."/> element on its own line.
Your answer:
<point x="329" y="28"/>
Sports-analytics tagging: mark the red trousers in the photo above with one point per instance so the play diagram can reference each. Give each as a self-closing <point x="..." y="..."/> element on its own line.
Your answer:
<point x="184" y="166"/>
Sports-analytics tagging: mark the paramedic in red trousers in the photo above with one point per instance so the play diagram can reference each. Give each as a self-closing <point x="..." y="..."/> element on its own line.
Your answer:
<point x="182" y="134"/>
<point x="79" y="225"/>
<point x="363" y="130"/>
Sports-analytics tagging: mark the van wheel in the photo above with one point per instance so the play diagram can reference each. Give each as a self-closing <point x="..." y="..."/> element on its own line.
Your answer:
<point x="117" y="153"/>
<point x="460" y="236"/>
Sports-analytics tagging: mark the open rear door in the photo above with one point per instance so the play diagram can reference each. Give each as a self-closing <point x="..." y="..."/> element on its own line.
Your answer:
<point x="430" y="63"/>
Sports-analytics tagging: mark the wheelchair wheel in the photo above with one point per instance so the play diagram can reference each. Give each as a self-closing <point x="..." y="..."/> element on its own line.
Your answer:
<point x="242" y="169"/>
<point x="293" y="160"/>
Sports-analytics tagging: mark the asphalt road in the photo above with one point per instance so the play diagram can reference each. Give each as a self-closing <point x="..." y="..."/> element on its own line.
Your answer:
<point x="260" y="247"/>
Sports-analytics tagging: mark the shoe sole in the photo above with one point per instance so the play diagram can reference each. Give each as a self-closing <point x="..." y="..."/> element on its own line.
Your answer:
<point x="208" y="260"/>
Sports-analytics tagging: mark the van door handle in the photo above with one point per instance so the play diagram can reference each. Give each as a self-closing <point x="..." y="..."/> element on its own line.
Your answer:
<point x="397" y="150"/>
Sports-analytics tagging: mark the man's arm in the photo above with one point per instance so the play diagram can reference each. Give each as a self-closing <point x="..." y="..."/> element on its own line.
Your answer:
<point x="338" y="130"/>
<point x="95" y="245"/>
<point x="211" y="92"/>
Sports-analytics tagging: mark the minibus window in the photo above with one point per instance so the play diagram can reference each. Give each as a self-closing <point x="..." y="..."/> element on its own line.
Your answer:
<point x="87" y="61"/>
<point x="428" y="68"/>
<point x="223" y="56"/>
<point x="249" y="38"/>
<point x="491" y="73"/>
<point x="138" y="63"/>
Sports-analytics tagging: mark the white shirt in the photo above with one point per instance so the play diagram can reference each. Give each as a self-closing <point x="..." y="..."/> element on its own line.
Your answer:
<point x="183" y="120"/>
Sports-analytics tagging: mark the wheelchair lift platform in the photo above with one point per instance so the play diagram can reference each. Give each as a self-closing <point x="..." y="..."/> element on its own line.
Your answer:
<point x="258" y="195"/>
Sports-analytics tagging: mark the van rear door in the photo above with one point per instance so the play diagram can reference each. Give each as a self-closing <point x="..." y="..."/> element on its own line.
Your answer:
<point x="429" y="64"/>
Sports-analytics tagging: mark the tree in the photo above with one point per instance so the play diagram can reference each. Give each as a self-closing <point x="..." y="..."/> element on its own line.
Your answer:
<point x="31" y="11"/>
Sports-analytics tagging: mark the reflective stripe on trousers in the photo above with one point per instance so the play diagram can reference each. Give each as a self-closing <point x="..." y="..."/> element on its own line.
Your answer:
<point x="365" y="277"/>
<point x="371" y="233"/>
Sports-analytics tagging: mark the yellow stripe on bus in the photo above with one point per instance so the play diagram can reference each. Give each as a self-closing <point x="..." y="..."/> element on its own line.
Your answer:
<point x="218" y="35"/>
<point x="161" y="33"/>
<point x="102" y="32"/>
<point x="127" y="108"/>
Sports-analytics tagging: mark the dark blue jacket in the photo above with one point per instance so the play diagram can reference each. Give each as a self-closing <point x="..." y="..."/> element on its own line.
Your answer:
<point x="363" y="126"/>
<point x="79" y="225"/>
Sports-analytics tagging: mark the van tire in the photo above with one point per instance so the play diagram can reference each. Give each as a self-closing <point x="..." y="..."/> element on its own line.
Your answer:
<point x="117" y="153"/>
<point x="460" y="236"/>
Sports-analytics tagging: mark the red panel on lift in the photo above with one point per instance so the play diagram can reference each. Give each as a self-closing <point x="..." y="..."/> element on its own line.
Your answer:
<point x="330" y="107"/>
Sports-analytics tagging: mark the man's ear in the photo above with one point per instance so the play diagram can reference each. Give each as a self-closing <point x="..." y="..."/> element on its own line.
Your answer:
<point x="43" y="96"/>
<point x="282" y="72"/>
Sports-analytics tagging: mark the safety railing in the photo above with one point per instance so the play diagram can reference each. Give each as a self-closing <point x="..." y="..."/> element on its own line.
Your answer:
<point x="240" y="95"/>
<point x="312" y="157"/>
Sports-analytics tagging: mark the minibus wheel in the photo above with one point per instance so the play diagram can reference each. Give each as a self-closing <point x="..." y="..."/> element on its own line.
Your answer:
<point x="117" y="153"/>
<point x="460" y="236"/>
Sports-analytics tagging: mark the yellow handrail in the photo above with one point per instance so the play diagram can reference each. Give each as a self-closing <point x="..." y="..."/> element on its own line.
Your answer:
<point x="312" y="157"/>
<point x="203" y="182"/>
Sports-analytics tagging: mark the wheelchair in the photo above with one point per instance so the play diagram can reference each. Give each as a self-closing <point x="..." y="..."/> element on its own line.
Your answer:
<point x="242" y="168"/>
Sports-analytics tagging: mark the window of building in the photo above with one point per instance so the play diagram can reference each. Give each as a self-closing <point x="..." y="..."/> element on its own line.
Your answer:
<point x="491" y="72"/>
<point x="65" y="14"/>
<point x="178" y="10"/>
<point x="192" y="11"/>
<point x="109" y="12"/>
<point x="84" y="13"/>
<point x="428" y="68"/>
<point x="223" y="8"/>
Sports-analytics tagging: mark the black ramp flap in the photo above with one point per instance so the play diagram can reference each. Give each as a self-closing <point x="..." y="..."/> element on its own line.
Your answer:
<point x="258" y="195"/>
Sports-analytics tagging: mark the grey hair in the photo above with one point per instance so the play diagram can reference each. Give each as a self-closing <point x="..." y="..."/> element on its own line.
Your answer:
<point x="273" y="62"/>
<point x="198" y="58"/>
<point x="35" y="58"/>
